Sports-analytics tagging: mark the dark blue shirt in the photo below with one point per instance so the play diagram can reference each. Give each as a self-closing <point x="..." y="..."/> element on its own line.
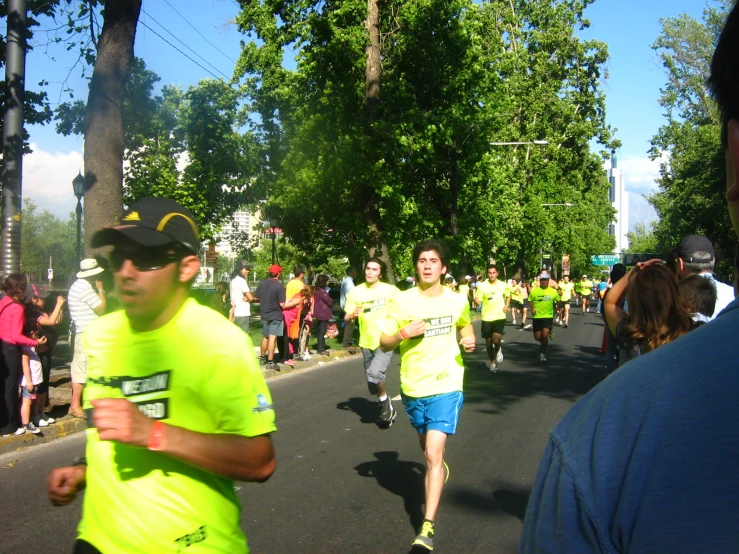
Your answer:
<point x="648" y="461"/>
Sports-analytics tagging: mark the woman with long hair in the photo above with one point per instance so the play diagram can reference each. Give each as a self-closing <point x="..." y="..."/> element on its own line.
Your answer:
<point x="657" y="314"/>
<point x="12" y="322"/>
<point x="322" y="312"/>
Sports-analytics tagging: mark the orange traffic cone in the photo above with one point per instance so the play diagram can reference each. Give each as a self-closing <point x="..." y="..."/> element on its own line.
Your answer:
<point x="603" y="344"/>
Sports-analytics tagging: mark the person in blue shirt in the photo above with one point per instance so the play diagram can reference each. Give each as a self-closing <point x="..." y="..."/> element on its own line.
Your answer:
<point x="602" y="287"/>
<point x="647" y="460"/>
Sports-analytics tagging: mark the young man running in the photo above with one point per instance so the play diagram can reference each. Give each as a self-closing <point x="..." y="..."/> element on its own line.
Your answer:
<point x="565" y="292"/>
<point x="368" y="303"/>
<point x="516" y="300"/>
<point x="424" y="322"/>
<point x="495" y="298"/>
<point x="176" y="405"/>
<point x="586" y="289"/>
<point x="543" y="299"/>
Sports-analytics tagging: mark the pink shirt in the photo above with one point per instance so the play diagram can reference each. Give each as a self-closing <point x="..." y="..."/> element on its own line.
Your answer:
<point x="12" y="320"/>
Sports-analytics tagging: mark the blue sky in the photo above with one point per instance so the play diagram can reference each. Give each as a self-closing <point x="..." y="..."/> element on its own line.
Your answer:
<point x="629" y="27"/>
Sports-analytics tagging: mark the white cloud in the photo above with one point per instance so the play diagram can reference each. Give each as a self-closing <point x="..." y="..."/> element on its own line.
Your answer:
<point x="640" y="174"/>
<point x="47" y="179"/>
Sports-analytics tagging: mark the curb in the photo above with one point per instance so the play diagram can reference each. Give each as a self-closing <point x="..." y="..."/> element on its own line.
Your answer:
<point x="56" y="430"/>
<point x="69" y="425"/>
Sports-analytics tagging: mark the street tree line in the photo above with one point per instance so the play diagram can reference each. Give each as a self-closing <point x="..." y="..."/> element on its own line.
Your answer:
<point x="378" y="136"/>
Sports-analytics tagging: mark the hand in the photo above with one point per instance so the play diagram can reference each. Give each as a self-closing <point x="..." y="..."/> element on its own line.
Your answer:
<point x="99" y="285"/>
<point x="415" y="328"/>
<point x="63" y="484"/>
<point x="358" y="311"/>
<point x="120" y="420"/>
<point x="505" y="308"/>
<point x="642" y="265"/>
<point x="30" y="387"/>
<point x="468" y="343"/>
<point x="533" y="311"/>
<point x="42" y="340"/>
<point x="60" y="300"/>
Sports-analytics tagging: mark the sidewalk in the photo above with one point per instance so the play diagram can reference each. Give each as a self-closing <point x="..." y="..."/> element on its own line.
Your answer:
<point x="60" y="395"/>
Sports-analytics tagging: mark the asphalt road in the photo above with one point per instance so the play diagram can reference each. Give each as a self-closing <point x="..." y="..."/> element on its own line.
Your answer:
<point x="345" y="485"/>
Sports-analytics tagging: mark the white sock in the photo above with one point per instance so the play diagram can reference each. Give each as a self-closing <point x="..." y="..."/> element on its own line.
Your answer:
<point x="382" y="398"/>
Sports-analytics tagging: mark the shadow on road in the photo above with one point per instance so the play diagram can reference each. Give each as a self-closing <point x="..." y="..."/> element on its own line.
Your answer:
<point x="367" y="410"/>
<point x="401" y="478"/>
<point x="497" y="498"/>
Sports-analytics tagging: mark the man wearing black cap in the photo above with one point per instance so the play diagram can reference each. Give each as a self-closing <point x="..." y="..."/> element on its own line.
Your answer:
<point x="177" y="406"/>
<point x="241" y="295"/>
<point x="695" y="256"/>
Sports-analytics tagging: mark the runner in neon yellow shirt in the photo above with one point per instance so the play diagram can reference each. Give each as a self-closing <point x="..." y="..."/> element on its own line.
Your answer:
<point x="369" y="303"/>
<point x="495" y="298"/>
<point x="177" y="406"/>
<point x="516" y="300"/>
<point x="565" y="291"/>
<point x="586" y="289"/>
<point x="543" y="299"/>
<point x="424" y="323"/>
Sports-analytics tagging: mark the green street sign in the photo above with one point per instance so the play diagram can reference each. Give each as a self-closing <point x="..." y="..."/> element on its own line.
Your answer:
<point x="605" y="259"/>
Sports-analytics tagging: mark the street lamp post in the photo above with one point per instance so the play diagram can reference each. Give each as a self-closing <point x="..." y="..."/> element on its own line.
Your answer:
<point x="78" y="184"/>
<point x="520" y="142"/>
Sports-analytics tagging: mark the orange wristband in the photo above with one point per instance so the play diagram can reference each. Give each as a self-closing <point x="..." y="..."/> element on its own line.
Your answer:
<point x="156" y="438"/>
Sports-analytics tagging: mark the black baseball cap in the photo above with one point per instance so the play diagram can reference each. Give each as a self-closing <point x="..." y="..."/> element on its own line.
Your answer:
<point x="153" y="222"/>
<point x="244" y="264"/>
<point x="692" y="244"/>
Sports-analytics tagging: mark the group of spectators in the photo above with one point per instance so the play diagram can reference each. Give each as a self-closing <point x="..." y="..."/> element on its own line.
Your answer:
<point x="29" y="332"/>
<point x="656" y="303"/>
<point x="289" y="312"/>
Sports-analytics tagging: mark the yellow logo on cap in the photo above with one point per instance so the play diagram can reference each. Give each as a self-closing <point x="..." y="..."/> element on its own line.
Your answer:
<point x="133" y="216"/>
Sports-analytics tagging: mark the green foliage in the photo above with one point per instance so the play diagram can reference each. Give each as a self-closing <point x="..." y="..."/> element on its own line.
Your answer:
<point x="456" y="75"/>
<point x="644" y="241"/>
<point x="690" y="198"/>
<point x="44" y="236"/>
<point x="189" y="146"/>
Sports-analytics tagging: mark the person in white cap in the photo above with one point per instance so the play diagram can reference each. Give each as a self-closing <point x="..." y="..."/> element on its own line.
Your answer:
<point x="85" y="305"/>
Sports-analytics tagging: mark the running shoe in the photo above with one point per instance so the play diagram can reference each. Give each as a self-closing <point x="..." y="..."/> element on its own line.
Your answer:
<point x="499" y="356"/>
<point x="387" y="412"/>
<point x="529" y="326"/>
<point x="425" y="538"/>
<point x="551" y="335"/>
<point x="262" y="360"/>
<point x="542" y="358"/>
<point x="566" y="326"/>
<point x="272" y="365"/>
<point x="31" y="428"/>
<point x="289" y="362"/>
<point x="47" y="418"/>
<point x="493" y="367"/>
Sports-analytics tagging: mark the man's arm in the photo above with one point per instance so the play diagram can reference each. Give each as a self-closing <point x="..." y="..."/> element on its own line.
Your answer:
<point x="99" y="309"/>
<point x="233" y="456"/>
<point x="467" y="340"/>
<point x="413" y="329"/>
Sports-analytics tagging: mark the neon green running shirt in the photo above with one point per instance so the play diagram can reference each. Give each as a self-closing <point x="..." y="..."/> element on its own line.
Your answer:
<point x="199" y="372"/>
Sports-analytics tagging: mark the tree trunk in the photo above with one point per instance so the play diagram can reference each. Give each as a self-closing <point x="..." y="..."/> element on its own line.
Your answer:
<point x="371" y="214"/>
<point x="103" y="120"/>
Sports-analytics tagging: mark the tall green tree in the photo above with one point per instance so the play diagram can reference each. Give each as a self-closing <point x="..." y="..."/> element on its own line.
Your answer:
<point x="455" y="76"/>
<point x="46" y="239"/>
<point x="691" y="186"/>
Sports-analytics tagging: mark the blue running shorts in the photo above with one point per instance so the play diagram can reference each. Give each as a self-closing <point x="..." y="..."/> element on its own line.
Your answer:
<point x="439" y="412"/>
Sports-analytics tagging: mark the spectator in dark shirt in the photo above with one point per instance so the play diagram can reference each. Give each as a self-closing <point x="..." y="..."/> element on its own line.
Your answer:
<point x="322" y="312"/>
<point x="271" y="296"/>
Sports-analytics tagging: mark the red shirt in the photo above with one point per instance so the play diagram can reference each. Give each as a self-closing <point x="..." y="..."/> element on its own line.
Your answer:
<point x="12" y="320"/>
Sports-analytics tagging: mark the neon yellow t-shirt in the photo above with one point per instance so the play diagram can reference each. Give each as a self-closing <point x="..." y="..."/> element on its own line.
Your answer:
<point x="464" y="290"/>
<point x="586" y="287"/>
<point x="543" y="300"/>
<point x="517" y="293"/>
<point x="431" y="364"/>
<point x="375" y="301"/>
<point x="493" y="297"/>
<point x="199" y="372"/>
<point x="566" y="289"/>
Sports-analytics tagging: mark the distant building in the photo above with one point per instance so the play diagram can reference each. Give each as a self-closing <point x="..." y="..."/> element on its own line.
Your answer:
<point x="619" y="198"/>
<point x="242" y="222"/>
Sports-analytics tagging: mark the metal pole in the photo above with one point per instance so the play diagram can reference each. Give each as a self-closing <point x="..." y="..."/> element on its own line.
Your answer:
<point x="79" y="230"/>
<point x="15" y="74"/>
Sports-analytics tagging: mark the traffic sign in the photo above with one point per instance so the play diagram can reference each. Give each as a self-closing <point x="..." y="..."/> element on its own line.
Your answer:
<point x="605" y="259"/>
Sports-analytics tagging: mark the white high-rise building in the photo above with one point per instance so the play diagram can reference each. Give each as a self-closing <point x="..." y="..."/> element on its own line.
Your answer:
<point x="242" y="222"/>
<point x="620" y="201"/>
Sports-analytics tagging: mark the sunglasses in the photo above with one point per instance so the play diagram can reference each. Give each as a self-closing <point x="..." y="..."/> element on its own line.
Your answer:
<point x="144" y="260"/>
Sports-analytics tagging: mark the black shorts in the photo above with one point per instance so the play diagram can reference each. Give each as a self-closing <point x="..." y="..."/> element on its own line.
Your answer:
<point x="516" y="305"/>
<point x="490" y="327"/>
<point x="542" y="323"/>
